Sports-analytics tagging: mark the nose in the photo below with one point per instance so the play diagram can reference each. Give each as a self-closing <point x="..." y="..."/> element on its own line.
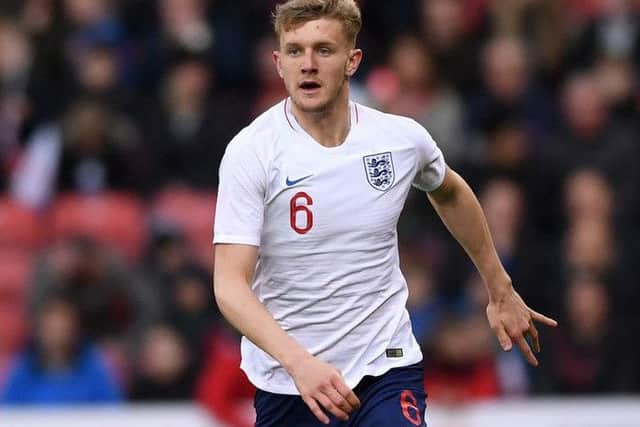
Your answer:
<point x="309" y="63"/>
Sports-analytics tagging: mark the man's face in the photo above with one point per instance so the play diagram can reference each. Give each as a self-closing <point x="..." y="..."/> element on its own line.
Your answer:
<point x="315" y="60"/>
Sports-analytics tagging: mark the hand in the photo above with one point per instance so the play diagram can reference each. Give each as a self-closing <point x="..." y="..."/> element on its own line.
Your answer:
<point x="319" y="383"/>
<point x="512" y="320"/>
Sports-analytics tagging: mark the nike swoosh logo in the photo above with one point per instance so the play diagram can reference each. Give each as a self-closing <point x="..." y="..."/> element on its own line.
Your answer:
<point x="291" y="182"/>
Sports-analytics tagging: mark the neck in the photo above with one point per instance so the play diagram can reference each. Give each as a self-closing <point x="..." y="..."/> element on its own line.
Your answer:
<point x="57" y="360"/>
<point x="329" y="127"/>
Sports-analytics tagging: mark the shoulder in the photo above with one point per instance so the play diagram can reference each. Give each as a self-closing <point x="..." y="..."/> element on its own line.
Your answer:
<point x="262" y="131"/>
<point x="252" y="149"/>
<point x="390" y="123"/>
<point x="404" y="131"/>
<point x="22" y="365"/>
<point x="91" y="358"/>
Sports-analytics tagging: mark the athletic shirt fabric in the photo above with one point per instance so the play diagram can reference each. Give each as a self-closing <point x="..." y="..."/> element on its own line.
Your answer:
<point x="324" y="220"/>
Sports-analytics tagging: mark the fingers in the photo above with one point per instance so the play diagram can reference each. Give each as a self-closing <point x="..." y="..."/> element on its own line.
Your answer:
<point x="324" y="391"/>
<point x="331" y="407"/>
<point x="543" y="319"/>
<point x="313" y="406"/>
<point x="512" y="321"/>
<point x="347" y="393"/>
<point x="535" y="339"/>
<point x="517" y="335"/>
<point x="526" y="351"/>
<point x="338" y="400"/>
<point x="503" y="338"/>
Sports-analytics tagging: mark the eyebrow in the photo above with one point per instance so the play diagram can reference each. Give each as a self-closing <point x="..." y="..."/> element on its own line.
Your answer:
<point x="323" y="43"/>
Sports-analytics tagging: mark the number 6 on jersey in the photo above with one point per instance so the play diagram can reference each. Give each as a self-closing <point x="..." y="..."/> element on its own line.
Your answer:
<point x="296" y="208"/>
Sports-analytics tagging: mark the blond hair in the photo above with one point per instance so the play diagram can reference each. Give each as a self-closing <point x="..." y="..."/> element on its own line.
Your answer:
<point x="292" y="13"/>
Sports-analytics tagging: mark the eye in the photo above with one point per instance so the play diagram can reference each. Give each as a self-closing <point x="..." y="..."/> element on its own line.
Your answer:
<point x="324" y="51"/>
<point x="293" y="51"/>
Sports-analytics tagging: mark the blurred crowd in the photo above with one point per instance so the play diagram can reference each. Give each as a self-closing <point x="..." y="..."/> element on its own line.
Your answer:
<point x="114" y="116"/>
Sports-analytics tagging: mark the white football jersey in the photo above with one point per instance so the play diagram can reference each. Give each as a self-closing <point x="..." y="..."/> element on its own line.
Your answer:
<point x="324" y="220"/>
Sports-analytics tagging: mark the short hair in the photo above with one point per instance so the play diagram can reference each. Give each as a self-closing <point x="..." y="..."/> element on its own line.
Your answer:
<point x="293" y="13"/>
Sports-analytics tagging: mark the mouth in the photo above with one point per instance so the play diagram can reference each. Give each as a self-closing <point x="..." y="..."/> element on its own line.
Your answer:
<point x="309" y="86"/>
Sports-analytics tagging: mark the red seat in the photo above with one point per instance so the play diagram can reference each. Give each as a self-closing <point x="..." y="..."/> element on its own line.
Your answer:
<point x="15" y="271"/>
<point x="4" y="368"/>
<point x="20" y="227"/>
<point x="13" y="323"/>
<point x="192" y="211"/>
<point x="114" y="219"/>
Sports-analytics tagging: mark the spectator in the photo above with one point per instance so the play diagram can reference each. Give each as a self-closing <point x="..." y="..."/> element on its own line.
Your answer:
<point x="193" y="313"/>
<point x="591" y="139"/>
<point x="616" y="80"/>
<point x="165" y="257"/>
<point x="423" y="303"/>
<point x="612" y="32"/>
<point x="460" y="366"/>
<point x="189" y="129"/>
<point x="182" y="27"/>
<point x="91" y="22"/>
<point x="98" y="74"/>
<point x="598" y="241"/>
<point x="590" y="248"/>
<point x="114" y="303"/>
<point x="222" y="387"/>
<point x="543" y="24"/>
<point x="185" y="25"/>
<point x="164" y="367"/>
<point x="508" y="90"/>
<point x="100" y="151"/>
<point x="507" y="150"/>
<point x="61" y="366"/>
<point x="588" y="197"/>
<point x="420" y="96"/>
<point x="15" y="66"/>
<point x="587" y="356"/>
<point x="455" y="51"/>
<point x="93" y="150"/>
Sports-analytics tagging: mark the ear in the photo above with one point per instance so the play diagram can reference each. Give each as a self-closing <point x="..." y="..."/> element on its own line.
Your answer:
<point x="355" y="58"/>
<point x="276" y="61"/>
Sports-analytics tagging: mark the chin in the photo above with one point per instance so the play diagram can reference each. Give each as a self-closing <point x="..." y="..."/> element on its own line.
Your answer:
<point x="311" y="105"/>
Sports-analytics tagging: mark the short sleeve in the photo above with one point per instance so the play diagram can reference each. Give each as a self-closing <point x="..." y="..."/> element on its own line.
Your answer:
<point x="431" y="165"/>
<point x="240" y="201"/>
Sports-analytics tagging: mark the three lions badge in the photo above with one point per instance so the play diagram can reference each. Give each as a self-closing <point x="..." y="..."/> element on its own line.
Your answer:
<point x="379" y="169"/>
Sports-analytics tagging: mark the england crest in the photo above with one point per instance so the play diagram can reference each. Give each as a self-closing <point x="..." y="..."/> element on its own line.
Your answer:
<point x="379" y="169"/>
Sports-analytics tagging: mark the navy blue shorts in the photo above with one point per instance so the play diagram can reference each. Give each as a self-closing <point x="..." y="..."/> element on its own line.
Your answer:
<point x="394" y="399"/>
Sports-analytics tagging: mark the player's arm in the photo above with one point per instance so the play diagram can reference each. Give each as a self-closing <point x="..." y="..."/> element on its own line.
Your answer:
<point x="319" y="383"/>
<point x="510" y="318"/>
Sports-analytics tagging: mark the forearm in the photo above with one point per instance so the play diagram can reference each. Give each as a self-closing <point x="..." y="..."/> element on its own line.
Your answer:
<point x="461" y="213"/>
<point x="247" y="314"/>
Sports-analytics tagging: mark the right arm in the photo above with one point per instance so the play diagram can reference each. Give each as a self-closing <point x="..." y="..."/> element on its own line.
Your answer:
<point x="318" y="382"/>
<point x="234" y="267"/>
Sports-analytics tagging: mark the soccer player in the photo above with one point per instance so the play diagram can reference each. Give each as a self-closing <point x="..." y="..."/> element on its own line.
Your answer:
<point x="306" y="264"/>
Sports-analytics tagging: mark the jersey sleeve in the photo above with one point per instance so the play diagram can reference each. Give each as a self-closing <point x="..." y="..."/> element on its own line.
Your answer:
<point x="241" y="190"/>
<point x="431" y="165"/>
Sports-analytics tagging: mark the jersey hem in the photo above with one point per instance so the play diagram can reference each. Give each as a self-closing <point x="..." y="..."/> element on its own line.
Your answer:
<point x="288" y="389"/>
<point x="240" y="240"/>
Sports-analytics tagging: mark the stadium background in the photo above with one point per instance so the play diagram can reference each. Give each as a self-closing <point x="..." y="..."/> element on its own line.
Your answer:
<point x="114" y="115"/>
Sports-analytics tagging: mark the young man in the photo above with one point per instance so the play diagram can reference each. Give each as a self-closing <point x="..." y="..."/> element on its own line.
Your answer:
<point x="306" y="262"/>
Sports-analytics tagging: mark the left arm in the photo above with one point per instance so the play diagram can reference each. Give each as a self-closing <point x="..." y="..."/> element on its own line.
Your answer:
<point x="509" y="317"/>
